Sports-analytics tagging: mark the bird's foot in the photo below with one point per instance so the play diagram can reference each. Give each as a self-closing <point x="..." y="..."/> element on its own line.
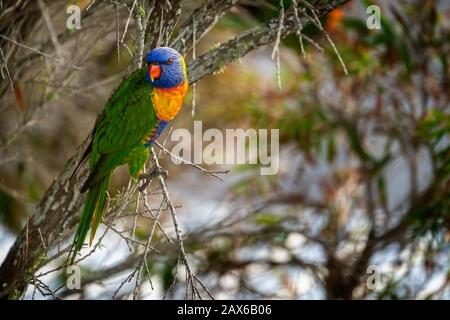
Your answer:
<point x="147" y="177"/>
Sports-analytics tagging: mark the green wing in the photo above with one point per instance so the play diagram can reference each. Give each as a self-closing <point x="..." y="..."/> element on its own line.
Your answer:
<point x="127" y="118"/>
<point x="118" y="138"/>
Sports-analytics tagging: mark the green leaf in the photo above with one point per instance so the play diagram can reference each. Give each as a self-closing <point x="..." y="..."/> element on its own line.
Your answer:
<point x="267" y="219"/>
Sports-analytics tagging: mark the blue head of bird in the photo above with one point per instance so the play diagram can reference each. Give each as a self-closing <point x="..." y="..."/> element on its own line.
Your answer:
<point x="165" y="68"/>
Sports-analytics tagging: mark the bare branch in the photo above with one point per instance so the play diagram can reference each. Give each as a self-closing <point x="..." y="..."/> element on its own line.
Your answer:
<point x="166" y="14"/>
<point x="205" y="17"/>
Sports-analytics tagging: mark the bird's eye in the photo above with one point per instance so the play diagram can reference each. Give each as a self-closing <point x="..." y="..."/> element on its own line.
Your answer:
<point x="169" y="61"/>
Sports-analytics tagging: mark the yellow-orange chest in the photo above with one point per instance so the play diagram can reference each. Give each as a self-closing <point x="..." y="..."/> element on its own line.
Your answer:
<point x="167" y="102"/>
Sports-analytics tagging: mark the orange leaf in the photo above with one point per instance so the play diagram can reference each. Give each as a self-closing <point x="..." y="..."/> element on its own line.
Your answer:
<point x="19" y="97"/>
<point x="334" y="18"/>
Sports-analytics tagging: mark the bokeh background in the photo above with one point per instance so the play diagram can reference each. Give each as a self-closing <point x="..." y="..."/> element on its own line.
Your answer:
<point x="360" y="206"/>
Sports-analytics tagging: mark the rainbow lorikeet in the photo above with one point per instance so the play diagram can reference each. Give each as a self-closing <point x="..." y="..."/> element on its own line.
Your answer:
<point x="135" y="115"/>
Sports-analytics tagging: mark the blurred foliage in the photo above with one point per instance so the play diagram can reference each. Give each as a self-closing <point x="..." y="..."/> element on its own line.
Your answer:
<point x="434" y="130"/>
<point x="344" y="141"/>
<point x="398" y="92"/>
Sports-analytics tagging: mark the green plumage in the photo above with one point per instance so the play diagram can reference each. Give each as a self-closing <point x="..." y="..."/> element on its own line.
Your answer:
<point x="118" y="138"/>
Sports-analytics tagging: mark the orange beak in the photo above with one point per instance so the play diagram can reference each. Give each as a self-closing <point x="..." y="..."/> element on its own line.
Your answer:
<point x="154" y="72"/>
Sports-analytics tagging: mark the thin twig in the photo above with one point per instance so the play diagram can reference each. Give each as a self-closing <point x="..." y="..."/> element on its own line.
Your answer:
<point x="38" y="52"/>
<point x="128" y="21"/>
<point x="50" y="27"/>
<point x="300" y="28"/>
<point x="5" y="66"/>
<point x="276" y="47"/>
<point x="184" y="161"/>
<point x="90" y="5"/>
<point x="317" y="22"/>
<point x="162" y="184"/>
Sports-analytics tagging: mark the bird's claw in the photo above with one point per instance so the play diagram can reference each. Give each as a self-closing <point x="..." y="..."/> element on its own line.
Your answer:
<point x="147" y="177"/>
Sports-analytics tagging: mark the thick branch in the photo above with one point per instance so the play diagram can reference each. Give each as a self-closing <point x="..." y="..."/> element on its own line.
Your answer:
<point x="52" y="221"/>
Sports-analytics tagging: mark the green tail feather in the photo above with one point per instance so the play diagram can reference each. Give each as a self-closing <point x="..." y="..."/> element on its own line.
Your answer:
<point x="92" y="212"/>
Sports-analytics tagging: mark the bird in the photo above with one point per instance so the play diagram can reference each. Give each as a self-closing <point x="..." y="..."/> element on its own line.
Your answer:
<point x="133" y="118"/>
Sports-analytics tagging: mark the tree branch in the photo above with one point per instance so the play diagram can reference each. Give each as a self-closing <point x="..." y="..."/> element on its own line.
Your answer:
<point x="162" y="22"/>
<point x="217" y="58"/>
<point x="205" y="17"/>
